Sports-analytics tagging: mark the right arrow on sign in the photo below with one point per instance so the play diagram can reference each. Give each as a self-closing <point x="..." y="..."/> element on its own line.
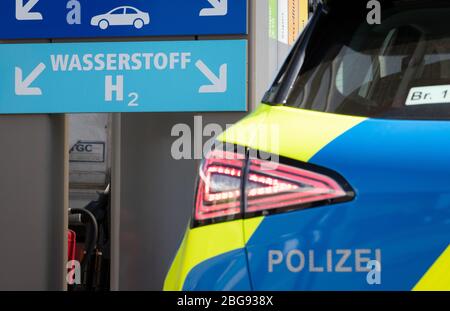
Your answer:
<point x="23" y="86"/>
<point x="220" y="8"/>
<point x="23" y="11"/>
<point x="218" y="84"/>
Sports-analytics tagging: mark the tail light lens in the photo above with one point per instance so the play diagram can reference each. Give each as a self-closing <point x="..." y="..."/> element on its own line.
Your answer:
<point x="286" y="186"/>
<point x="219" y="187"/>
<point x="269" y="187"/>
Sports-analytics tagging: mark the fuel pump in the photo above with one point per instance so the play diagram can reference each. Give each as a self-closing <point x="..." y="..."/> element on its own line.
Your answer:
<point x="91" y="227"/>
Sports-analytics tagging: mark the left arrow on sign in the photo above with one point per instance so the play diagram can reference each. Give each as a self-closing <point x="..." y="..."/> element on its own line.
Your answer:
<point x="218" y="84"/>
<point x="220" y="8"/>
<point x="23" y="11"/>
<point x="22" y="87"/>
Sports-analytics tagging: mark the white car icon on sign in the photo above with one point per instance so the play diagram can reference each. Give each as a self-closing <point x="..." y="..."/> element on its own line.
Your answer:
<point x="122" y="16"/>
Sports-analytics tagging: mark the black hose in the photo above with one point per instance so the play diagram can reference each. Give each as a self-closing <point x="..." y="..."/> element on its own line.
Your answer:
<point x="90" y="247"/>
<point x="91" y="219"/>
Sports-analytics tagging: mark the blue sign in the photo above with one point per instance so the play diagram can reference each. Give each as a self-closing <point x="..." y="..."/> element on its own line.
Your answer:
<point x="26" y="19"/>
<point x="163" y="76"/>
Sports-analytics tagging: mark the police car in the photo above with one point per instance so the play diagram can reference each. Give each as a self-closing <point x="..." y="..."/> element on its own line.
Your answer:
<point x="340" y="180"/>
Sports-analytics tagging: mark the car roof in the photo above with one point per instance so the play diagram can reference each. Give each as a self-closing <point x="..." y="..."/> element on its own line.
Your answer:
<point x="125" y="7"/>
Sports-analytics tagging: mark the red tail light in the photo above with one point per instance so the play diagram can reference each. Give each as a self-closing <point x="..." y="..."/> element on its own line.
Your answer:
<point x="269" y="187"/>
<point x="219" y="188"/>
<point x="286" y="186"/>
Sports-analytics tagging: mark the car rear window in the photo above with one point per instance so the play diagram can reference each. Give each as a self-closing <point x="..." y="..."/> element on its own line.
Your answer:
<point x="399" y="68"/>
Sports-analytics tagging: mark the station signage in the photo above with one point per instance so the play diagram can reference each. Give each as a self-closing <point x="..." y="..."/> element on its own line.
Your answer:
<point x="51" y="19"/>
<point x="166" y="76"/>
